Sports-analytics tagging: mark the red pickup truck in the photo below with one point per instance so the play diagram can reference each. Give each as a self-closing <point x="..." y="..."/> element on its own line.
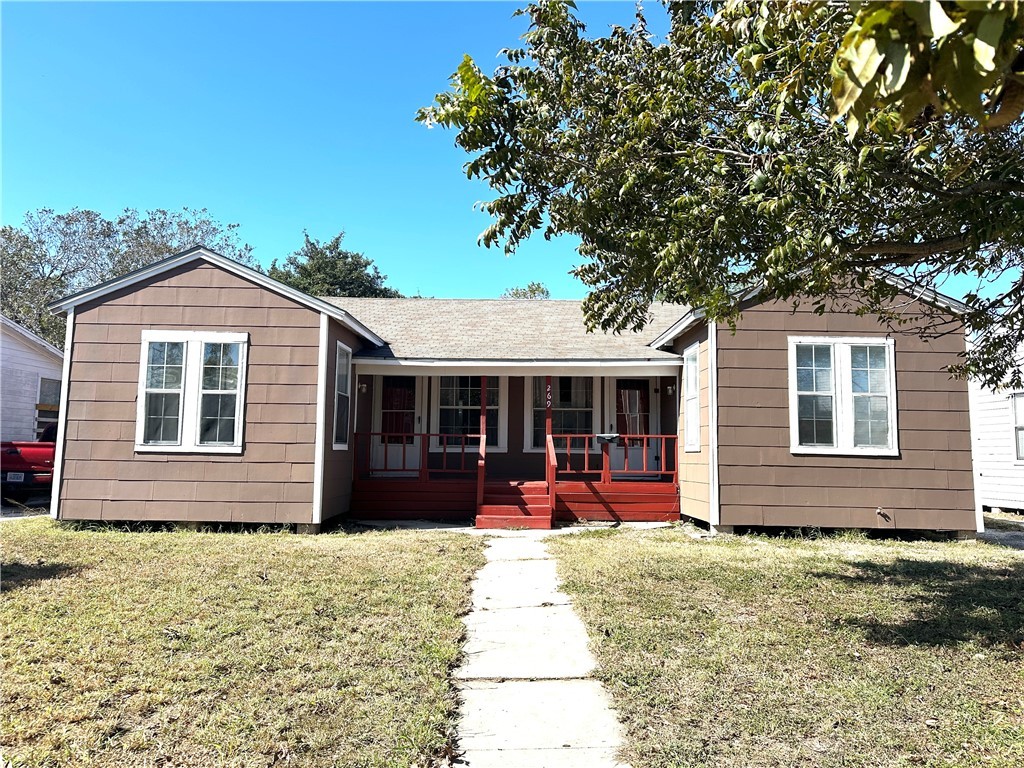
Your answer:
<point x="27" y="468"/>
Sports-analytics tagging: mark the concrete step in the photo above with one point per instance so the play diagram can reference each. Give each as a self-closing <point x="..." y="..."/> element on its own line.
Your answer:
<point x="513" y="521"/>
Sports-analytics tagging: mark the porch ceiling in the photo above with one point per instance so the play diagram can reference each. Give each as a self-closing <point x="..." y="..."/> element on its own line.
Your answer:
<point x="659" y="367"/>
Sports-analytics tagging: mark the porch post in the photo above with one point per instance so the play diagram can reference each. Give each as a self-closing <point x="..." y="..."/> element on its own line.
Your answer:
<point x="547" y="406"/>
<point x="483" y="409"/>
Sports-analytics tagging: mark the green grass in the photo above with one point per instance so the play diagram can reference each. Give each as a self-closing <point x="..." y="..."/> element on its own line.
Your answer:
<point x="204" y="649"/>
<point x="754" y="651"/>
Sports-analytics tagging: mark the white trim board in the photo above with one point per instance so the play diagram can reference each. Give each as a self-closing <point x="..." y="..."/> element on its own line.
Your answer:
<point x="204" y="254"/>
<point x="319" y="441"/>
<point x="62" y="416"/>
<point x="714" y="490"/>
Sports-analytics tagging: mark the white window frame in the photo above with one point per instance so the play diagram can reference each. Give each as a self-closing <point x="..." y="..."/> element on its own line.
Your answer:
<point x="691" y="431"/>
<point x="842" y="387"/>
<point x="1016" y="401"/>
<point x="435" y="410"/>
<point x="528" y="412"/>
<point x="191" y="391"/>
<point x="335" y="444"/>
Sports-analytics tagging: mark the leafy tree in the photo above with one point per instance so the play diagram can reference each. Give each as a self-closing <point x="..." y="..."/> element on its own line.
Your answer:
<point x="963" y="57"/>
<point x="52" y="255"/>
<point x="327" y="269"/>
<point x="532" y="290"/>
<point x="697" y="171"/>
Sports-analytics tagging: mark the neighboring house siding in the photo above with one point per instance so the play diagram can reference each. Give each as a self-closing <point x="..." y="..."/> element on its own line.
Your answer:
<point x="270" y="482"/>
<point x="929" y="485"/>
<point x="998" y="474"/>
<point x="338" y="464"/>
<point x="23" y="365"/>
<point x="694" y="488"/>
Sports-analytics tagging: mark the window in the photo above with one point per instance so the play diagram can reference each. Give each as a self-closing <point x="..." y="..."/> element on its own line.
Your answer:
<point x="572" y="410"/>
<point x="456" y="409"/>
<point x="842" y="396"/>
<point x="191" y="392"/>
<point x="691" y="400"/>
<point x="1018" y="423"/>
<point x="48" y="406"/>
<point x="342" y="393"/>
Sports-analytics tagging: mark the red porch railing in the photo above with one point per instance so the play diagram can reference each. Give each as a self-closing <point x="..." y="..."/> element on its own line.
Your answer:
<point x="652" y="455"/>
<point x="393" y="453"/>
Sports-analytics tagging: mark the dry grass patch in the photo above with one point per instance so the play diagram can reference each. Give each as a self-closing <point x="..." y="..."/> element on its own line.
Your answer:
<point x="839" y="652"/>
<point x="193" y="649"/>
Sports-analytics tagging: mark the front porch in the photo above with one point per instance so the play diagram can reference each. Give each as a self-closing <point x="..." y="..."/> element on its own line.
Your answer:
<point x="629" y="478"/>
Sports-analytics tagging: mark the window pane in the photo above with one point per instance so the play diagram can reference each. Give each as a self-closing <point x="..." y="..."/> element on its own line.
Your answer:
<point x="814" y="368"/>
<point x="1020" y="443"/>
<point x="804" y="380"/>
<point x="161" y="418"/>
<point x="1018" y="409"/>
<point x="164" y="370"/>
<point x="341" y="408"/>
<point x="822" y="380"/>
<point x="814" y="420"/>
<point x="49" y="391"/>
<point x="341" y="373"/>
<point x="804" y="356"/>
<point x="871" y="421"/>
<point x="217" y="419"/>
<point x="220" y="366"/>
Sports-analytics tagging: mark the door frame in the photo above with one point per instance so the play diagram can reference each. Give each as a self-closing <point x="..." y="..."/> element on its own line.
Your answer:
<point x="377" y="444"/>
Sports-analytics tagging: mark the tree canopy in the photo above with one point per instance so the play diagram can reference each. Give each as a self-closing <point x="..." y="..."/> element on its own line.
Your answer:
<point x="327" y="269"/>
<point x="52" y="255"/>
<point x="708" y="165"/>
<point x="532" y="290"/>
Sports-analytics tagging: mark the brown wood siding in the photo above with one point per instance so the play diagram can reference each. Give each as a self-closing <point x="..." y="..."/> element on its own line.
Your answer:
<point x="694" y="484"/>
<point x="270" y="482"/>
<point x="338" y="464"/>
<point x="929" y="485"/>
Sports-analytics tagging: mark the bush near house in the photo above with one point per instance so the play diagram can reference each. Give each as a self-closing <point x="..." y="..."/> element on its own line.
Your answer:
<point x="759" y="652"/>
<point x="203" y="649"/>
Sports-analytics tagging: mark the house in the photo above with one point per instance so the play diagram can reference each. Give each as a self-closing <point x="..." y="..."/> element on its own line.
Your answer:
<point x="199" y="390"/>
<point x="30" y="376"/>
<point x="997" y="420"/>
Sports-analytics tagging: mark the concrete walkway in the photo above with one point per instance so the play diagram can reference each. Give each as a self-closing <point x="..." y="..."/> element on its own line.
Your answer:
<point x="527" y="697"/>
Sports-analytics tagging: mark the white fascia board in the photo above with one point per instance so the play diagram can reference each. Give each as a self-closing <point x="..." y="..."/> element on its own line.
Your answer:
<point x="40" y="343"/>
<point x="227" y="264"/>
<point x="659" y="367"/>
<point x="678" y="328"/>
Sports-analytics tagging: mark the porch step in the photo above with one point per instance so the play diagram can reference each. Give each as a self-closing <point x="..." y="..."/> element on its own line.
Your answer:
<point x="512" y="510"/>
<point x="513" y="521"/>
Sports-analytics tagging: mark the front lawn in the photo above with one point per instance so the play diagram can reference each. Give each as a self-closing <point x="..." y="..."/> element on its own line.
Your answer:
<point x="752" y="651"/>
<point x="203" y="649"/>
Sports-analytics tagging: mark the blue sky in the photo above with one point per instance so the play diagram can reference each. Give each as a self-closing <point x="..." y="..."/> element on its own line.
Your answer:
<point x="277" y="116"/>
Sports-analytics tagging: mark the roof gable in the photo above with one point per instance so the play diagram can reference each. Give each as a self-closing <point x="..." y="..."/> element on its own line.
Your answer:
<point x="201" y="253"/>
<point x="36" y="342"/>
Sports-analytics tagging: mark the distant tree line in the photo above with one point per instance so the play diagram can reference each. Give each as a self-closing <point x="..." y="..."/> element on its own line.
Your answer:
<point x="52" y="255"/>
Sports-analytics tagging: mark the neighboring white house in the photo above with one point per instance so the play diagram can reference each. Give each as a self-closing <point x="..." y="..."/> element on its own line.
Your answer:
<point x="997" y="438"/>
<point x="30" y="374"/>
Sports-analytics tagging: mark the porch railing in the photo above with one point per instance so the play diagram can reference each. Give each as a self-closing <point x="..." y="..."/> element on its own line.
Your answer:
<point x="653" y="455"/>
<point x="551" y="469"/>
<point x="404" y="453"/>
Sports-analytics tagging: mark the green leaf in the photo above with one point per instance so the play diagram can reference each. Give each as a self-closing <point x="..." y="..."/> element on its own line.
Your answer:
<point x="986" y="41"/>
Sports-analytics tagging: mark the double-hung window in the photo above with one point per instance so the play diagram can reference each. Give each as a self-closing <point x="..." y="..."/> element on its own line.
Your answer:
<point x="456" y="410"/>
<point x="691" y="400"/>
<point x="572" y="410"/>
<point x="842" y="396"/>
<point x="342" y="395"/>
<point x="1017" y="406"/>
<point x="191" y="392"/>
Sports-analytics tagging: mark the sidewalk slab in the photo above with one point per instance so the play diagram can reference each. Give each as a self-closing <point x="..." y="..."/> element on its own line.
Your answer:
<point x="516" y="549"/>
<point x="526" y="643"/>
<point x="517" y="584"/>
<point x="520" y="715"/>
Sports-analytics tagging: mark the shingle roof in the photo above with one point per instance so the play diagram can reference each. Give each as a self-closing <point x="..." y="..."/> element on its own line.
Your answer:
<point x="500" y="329"/>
